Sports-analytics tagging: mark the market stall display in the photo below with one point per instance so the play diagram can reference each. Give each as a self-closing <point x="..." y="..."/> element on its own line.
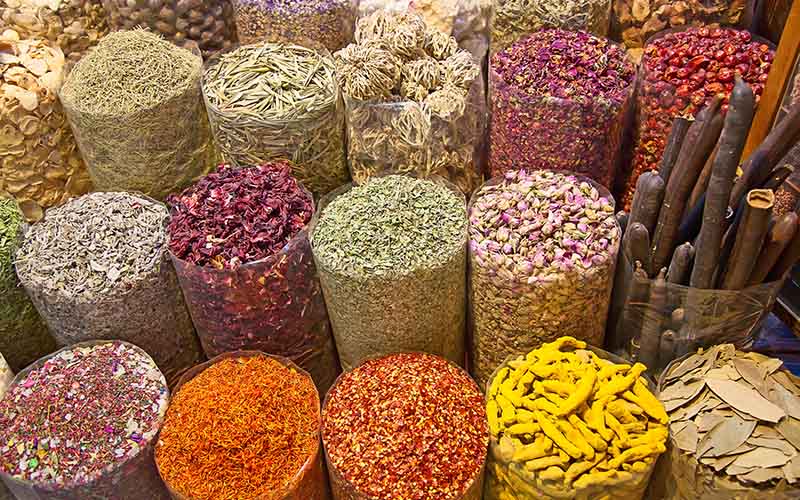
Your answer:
<point x="24" y="337"/>
<point x="392" y="260"/>
<point x="206" y="24"/>
<point x="243" y="425"/>
<point x="82" y="422"/>
<point x="408" y="425"/>
<point x="97" y="268"/>
<point x="239" y="242"/>
<point x="572" y="422"/>
<point x="272" y="100"/>
<point x="135" y="105"/>
<point x="543" y="246"/>
<point x="560" y="100"/>
<point x="414" y="101"/>
<point x="40" y="164"/>
<point x="734" y="427"/>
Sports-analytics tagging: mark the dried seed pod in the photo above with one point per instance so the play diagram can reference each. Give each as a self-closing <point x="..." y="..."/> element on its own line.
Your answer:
<point x="40" y="164"/>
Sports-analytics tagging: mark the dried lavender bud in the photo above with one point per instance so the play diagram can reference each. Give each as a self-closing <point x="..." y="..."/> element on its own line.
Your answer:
<point x="543" y="246"/>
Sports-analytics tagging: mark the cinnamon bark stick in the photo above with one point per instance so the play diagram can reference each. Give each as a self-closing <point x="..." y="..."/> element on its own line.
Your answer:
<point x="750" y="239"/>
<point x="680" y="126"/>
<point x="705" y="174"/>
<point x="777" y="240"/>
<point x="787" y="260"/>
<point x="777" y="177"/>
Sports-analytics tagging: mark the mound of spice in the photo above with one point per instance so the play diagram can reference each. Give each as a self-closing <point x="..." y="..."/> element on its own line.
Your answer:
<point x="81" y="424"/>
<point x="407" y="425"/>
<point x="567" y="423"/>
<point x="681" y="72"/>
<point x="328" y="23"/>
<point x="560" y="100"/>
<point x="734" y="426"/>
<point x="413" y="99"/>
<point x="244" y="426"/>
<point x="392" y="261"/>
<point x="543" y="247"/>
<point x="24" y="338"/>
<point x="244" y="261"/>
<point x="97" y="268"/>
<point x="274" y="100"/>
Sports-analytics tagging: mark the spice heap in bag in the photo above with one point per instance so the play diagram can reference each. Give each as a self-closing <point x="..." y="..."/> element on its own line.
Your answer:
<point x="82" y="422"/>
<point x="735" y="426"/>
<point x="243" y="426"/>
<point x="239" y="243"/>
<point x="413" y="99"/>
<point x="680" y="73"/>
<point x="543" y="248"/>
<point x="560" y="100"/>
<point x="97" y="268"/>
<point x="274" y="100"/>
<point x="405" y="426"/>
<point x="23" y="335"/>
<point x="392" y="261"/>
<point x="566" y="423"/>
<point x="40" y="164"/>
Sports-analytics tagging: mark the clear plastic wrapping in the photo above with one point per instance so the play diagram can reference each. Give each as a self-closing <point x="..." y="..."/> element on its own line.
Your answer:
<point x="327" y="22"/>
<point x="582" y="135"/>
<point x="420" y="309"/>
<point x="206" y="24"/>
<point x="273" y="305"/>
<point x="420" y="139"/>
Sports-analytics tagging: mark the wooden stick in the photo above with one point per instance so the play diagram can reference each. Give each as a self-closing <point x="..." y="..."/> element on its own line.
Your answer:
<point x="777" y="177"/>
<point x="705" y="176"/>
<point x="777" y="240"/>
<point x="638" y="245"/>
<point x="647" y="200"/>
<point x="681" y="265"/>
<point x="680" y="126"/>
<point x="787" y="260"/>
<point x="750" y="239"/>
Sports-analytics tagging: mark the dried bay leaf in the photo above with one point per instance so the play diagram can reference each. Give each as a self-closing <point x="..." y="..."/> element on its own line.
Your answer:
<point x="707" y="421"/>
<point x="789" y="428"/>
<point x="785" y="399"/>
<point x="721" y="463"/>
<point x="762" y="475"/>
<point x="776" y="444"/>
<point x="683" y="394"/>
<point x="750" y="372"/>
<point x="726" y="437"/>
<point x="792" y="469"/>
<point x="746" y="400"/>
<point x="761" y="457"/>
<point x="686" y="366"/>
<point x="788" y="382"/>
<point x="686" y="439"/>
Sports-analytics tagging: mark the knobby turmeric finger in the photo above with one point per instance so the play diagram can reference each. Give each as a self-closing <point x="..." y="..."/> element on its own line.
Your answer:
<point x="551" y="431"/>
<point x="545" y="405"/>
<point x="506" y="408"/>
<point x="593" y="439"/>
<point x="616" y="426"/>
<point x="552" y="473"/>
<point x="561" y="388"/>
<point x="597" y="421"/>
<point x="491" y="412"/>
<point x="650" y="404"/>
<point x="620" y="412"/>
<point x="575" y="437"/>
<point x="637" y="453"/>
<point x="544" y="462"/>
<point x="528" y="428"/>
<point x="541" y="447"/>
<point x="494" y="388"/>
<point x="581" y="394"/>
<point x="578" y="468"/>
<point x="622" y="384"/>
<point x="565" y="341"/>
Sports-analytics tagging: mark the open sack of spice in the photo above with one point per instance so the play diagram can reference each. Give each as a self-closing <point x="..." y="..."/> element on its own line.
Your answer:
<point x="239" y="241"/>
<point x="572" y="421"/>
<point x="734" y="422"/>
<point x="414" y="101"/>
<point x="703" y="255"/>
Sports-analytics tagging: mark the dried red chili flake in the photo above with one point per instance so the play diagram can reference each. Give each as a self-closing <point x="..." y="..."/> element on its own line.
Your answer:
<point x="243" y="426"/>
<point x="239" y="246"/>
<point x="559" y="101"/>
<point x="681" y="71"/>
<point x="407" y="426"/>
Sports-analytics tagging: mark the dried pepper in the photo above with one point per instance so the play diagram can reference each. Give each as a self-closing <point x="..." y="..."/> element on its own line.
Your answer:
<point x="567" y="422"/>
<point x="239" y="244"/>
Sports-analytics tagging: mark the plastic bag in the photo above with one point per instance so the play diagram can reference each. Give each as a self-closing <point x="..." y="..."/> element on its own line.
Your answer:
<point x="135" y="478"/>
<point x="330" y="22"/>
<point x="207" y="24"/>
<point x="273" y="305"/>
<point x="309" y="133"/>
<point x="310" y="482"/>
<point x="409" y="137"/>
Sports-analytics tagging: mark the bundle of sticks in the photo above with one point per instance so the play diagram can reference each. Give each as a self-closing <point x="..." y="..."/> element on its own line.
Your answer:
<point x="694" y="223"/>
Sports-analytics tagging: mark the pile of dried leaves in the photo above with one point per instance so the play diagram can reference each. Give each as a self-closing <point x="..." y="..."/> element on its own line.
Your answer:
<point x="738" y="415"/>
<point x="39" y="160"/>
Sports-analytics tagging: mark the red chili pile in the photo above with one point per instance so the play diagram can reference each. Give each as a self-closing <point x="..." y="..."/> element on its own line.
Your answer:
<point x="681" y="72"/>
<point x="406" y="426"/>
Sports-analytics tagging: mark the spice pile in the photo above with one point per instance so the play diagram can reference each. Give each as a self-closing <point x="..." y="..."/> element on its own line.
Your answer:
<point x="405" y="426"/>
<point x="274" y="100"/>
<point x="40" y="164"/>
<point x="243" y="427"/>
<point x="392" y="260"/>
<point x="566" y="423"/>
<point x="560" y="100"/>
<point x="734" y="422"/>
<point x="136" y="107"/>
<point x="413" y="101"/>
<point x="23" y="335"/>
<point x="516" y="19"/>
<point x="207" y="24"/>
<point x="6" y="376"/>
<point x="681" y="72"/>
<point x="81" y="423"/>
<point x="543" y="246"/>
<point x="97" y="268"/>
<point x="328" y="23"/>
<point x="238" y="241"/>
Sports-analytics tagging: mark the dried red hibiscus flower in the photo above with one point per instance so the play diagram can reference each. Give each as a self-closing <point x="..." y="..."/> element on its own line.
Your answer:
<point x="234" y="216"/>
